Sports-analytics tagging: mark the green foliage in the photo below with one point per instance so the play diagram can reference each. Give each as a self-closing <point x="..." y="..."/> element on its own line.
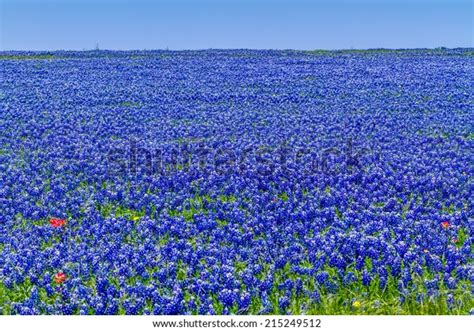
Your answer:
<point x="27" y="57"/>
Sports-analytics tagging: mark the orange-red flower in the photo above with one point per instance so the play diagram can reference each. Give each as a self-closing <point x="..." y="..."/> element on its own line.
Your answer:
<point x="60" y="278"/>
<point x="445" y="224"/>
<point x="57" y="222"/>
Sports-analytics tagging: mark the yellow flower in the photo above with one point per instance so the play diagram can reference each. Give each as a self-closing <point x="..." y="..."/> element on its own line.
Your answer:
<point x="356" y="304"/>
<point x="135" y="218"/>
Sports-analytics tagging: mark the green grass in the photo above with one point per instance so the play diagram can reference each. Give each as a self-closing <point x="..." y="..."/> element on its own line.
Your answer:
<point x="194" y="206"/>
<point x="440" y="51"/>
<point x="28" y="57"/>
<point x="372" y="299"/>
<point x="129" y="104"/>
<point x="111" y="210"/>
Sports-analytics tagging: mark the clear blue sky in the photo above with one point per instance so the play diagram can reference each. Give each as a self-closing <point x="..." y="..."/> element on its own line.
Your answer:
<point x="258" y="24"/>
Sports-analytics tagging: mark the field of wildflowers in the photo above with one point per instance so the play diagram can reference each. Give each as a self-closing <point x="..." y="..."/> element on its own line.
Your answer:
<point x="237" y="182"/>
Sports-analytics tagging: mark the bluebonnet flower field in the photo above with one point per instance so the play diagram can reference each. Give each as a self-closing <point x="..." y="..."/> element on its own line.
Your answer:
<point x="236" y="182"/>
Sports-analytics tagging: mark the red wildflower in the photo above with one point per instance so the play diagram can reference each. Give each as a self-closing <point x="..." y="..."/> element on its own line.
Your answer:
<point x="57" y="222"/>
<point x="60" y="277"/>
<point x="445" y="224"/>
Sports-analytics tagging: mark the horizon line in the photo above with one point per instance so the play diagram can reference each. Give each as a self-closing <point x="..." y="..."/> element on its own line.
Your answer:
<point x="237" y="49"/>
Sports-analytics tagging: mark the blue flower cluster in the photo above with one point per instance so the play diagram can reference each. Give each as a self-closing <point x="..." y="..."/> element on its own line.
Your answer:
<point x="371" y="202"/>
